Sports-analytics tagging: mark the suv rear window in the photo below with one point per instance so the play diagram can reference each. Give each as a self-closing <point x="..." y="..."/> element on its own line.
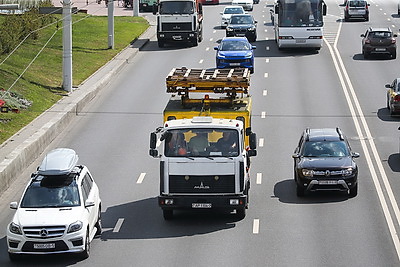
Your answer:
<point x="380" y="34"/>
<point x="357" y="3"/>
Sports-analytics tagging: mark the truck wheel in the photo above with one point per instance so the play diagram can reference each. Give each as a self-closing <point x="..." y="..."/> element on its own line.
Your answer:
<point x="160" y="44"/>
<point x="241" y="213"/>
<point x="195" y="42"/>
<point x="168" y="214"/>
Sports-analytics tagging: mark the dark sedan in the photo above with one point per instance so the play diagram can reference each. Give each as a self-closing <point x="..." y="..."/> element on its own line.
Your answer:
<point x="379" y="41"/>
<point x="242" y="25"/>
<point x="323" y="160"/>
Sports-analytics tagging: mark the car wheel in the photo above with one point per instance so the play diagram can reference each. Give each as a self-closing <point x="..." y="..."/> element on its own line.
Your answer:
<point x="13" y="256"/>
<point x="353" y="191"/>
<point x="86" y="252"/>
<point x="394" y="55"/>
<point x="168" y="214"/>
<point x="195" y="42"/>
<point x="98" y="224"/>
<point x="241" y="213"/>
<point x="367" y="18"/>
<point x="391" y="112"/>
<point x="252" y="70"/>
<point x="299" y="190"/>
<point x="160" y="44"/>
<point x="366" y="55"/>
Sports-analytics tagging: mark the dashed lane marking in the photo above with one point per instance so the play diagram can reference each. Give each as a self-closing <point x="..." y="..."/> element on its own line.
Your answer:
<point x="118" y="225"/>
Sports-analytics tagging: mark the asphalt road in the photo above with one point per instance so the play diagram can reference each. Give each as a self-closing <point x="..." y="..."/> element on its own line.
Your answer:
<point x="291" y="90"/>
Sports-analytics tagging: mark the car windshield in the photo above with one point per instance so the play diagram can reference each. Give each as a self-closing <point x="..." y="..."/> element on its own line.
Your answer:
<point x="325" y="149"/>
<point x="357" y="4"/>
<point x="235" y="46"/>
<point x="241" y="20"/>
<point x="52" y="191"/>
<point x="234" y="10"/>
<point x="202" y="143"/>
<point x="380" y="34"/>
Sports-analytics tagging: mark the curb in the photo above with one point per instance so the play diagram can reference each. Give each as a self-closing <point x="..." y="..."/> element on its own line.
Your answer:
<point x="20" y="150"/>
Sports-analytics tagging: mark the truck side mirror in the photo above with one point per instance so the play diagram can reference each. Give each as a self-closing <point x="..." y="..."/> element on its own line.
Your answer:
<point x="200" y="8"/>
<point x="153" y="140"/>
<point x="155" y="9"/>
<point x="253" y="141"/>
<point x="276" y="9"/>
<point x="248" y="131"/>
<point x="324" y="9"/>
<point x="252" y="153"/>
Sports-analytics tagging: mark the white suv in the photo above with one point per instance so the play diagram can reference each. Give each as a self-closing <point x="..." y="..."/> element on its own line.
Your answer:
<point x="59" y="210"/>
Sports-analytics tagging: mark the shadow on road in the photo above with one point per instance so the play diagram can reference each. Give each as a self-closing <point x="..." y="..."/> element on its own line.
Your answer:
<point x="394" y="162"/>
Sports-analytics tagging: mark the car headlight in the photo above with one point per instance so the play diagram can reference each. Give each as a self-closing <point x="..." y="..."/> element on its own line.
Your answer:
<point x="252" y="29"/>
<point x="347" y="172"/>
<point x="220" y="55"/>
<point x="15" y="228"/>
<point x="229" y="29"/>
<point x="74" y="227"/>
<point x="307" y="173"/>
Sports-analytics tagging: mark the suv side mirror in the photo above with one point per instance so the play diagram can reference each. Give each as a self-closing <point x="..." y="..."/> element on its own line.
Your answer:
<point x="89" y="203"/>
<point x="14" y="205"/>
<point x="387" y="86"/>
<point x="355" y="155"/>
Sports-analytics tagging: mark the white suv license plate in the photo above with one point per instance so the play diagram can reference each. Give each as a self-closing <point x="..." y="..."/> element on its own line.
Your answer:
<point x="201" y="205"/>
<point x="44" y="246"/>
<point x="327" y="182"/>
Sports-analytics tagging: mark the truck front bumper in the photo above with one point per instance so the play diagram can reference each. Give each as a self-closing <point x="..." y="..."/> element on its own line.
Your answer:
<point x="176" y="36"/>
<point x="202" y="202"/>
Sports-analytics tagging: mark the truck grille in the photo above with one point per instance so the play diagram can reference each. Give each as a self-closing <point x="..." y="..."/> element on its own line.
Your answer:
<point x="202" y="184"/>
<point x="44" y="232"/>
<point x="177" y="27"/>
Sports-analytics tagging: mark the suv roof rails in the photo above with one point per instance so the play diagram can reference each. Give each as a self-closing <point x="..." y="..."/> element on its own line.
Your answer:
<point x="59" y="161"/>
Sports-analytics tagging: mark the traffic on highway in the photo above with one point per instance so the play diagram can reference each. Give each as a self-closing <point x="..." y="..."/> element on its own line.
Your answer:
<point x="178" y="175"/>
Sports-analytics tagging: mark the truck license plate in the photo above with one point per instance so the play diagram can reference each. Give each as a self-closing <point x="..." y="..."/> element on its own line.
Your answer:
<point x="201" y="205"/>
<point x="44" y="246"/>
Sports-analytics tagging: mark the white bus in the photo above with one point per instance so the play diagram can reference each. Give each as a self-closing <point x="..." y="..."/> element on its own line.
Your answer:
<point x="298" y="23"/>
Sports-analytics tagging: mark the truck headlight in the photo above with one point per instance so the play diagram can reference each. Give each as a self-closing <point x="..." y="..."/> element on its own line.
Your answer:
<point x="15" y="228"/>
<point x="307" y="173"/>
<point x="74" y="227"/>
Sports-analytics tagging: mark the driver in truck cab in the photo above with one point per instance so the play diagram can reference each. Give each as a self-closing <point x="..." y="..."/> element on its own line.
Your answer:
<point x="198" y="143"/>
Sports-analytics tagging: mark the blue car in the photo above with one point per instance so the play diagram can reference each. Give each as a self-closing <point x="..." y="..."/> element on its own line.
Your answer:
<point x="235" y="52"/>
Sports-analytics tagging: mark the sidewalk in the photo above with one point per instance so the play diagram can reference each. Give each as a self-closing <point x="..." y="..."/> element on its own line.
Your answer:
<point x="19" y="151"/>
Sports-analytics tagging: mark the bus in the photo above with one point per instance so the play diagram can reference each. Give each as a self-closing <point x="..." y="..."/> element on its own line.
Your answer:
<point x="298" y="23"/>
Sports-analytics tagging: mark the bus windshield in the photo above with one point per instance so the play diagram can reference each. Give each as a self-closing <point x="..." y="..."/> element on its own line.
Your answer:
<point x="300" y="13"/>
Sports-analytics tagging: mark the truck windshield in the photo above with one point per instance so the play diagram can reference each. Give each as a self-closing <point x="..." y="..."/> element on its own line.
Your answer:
<point x="202" y="143"/>
<point x="177" y="7"/>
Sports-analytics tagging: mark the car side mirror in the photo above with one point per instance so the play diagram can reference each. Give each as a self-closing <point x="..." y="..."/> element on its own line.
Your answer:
<point x="255" y="21"/>
<point x="362" y="35"/>
<point x="394" y="35"/>
<point x="253" y="47"/>
<point x="295" y="156"/>
<point x="216" y="48"/>
<point x="387" y="86"/>
<point x="355" y="155"/>
<point x="14" y="205"/>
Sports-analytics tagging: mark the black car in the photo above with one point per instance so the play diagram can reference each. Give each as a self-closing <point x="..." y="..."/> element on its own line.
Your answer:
<point x="379" y="41"/>
<point x="323" y="160"/>
<point x="242" y="25"/>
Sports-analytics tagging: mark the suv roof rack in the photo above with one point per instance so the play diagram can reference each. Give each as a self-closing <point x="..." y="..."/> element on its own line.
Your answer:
<point x="59" y="161"/>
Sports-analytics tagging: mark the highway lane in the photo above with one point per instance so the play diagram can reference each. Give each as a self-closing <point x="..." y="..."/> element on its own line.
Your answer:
<point x="291" y="90"/>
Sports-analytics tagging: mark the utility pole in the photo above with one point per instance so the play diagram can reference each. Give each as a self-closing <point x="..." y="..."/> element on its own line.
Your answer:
<point x="135" y="6"/>
<point x="67" y="46"/>
<point x="110" y="24"/>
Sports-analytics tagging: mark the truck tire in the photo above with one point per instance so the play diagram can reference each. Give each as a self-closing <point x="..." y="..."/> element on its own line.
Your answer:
<point x="195" y="42"/>
<point x="241" y="213"/>
<point x="168" y="214"/>
<point x="160" y="44"/>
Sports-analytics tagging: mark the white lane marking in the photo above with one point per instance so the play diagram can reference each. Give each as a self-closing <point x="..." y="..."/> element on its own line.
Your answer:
<point x="389" y="220"/>
<point x="265" y="92"/>
<point x="141" y="178"/>
<point x="259" y="178"/>
<point x="263" y="115"/>
<point x="261" y="142"/>
<point x="201" y="61"/>
<point x="266" y="38"/>
<point x="256" y="226"/>
<point x="207" y="48"/>
<point x="211" y="39"/>
<point x="214" y="31"/>
<point x="118" y="225"/>
<point x="267" y="48"/>
<point x="266" y="75"/>
<point x="265" y="30"/>
<point x="267" y="60"/>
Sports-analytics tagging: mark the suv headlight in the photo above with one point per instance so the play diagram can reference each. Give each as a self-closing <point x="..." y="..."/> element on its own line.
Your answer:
<point x="252" y="28"/>
<point x="74" y="227"/>
<point x="15" y="228"/>
<point x="229" y="29"/>
<point x="347" y="172"/>
<point x="307" y="173"/>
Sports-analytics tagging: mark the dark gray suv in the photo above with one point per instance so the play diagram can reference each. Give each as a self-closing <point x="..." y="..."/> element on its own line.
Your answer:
<point x="379" y="41"/>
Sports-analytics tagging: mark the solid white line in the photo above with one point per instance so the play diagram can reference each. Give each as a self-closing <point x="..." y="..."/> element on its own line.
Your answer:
<point x="378" y="161"/>
<point x="118" y="225"/>
<point x="259" y="178"/>
<point x="263" y="114"/>
<point x="141" y="177"/>
<point x="265" y="92"/>
<point x="256" y="226"/>
<point x="261" y="142"/>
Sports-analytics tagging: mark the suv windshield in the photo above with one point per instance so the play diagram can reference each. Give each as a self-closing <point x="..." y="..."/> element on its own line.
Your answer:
<point x="325" y="149"/>
<point x="201" y="142"/>
<point x="241" y="20"/>
<point x="52" y="191"/>
<point x="234" y="10"/>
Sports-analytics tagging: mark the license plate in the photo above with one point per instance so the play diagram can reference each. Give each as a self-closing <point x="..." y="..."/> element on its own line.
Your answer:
<point x="380" y="49"/>
<point x="177" y="37"/>
<point x="201" y="205"/>
<point x="234" y="64"/>
<point x="328" y="182"/>
<point x="44" y="246"/>
<point x="301" y="41"/>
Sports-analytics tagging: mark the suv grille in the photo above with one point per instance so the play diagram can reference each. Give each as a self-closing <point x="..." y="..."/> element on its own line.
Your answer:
<point x="177" y="27"/>
<point x="202" y="184"/>
<point x="44" y="232"/>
